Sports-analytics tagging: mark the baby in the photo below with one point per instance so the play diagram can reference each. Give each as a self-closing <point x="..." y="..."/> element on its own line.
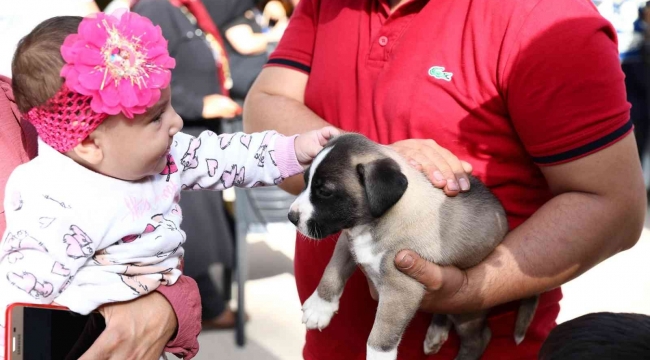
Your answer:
<point x="95" y="217"/>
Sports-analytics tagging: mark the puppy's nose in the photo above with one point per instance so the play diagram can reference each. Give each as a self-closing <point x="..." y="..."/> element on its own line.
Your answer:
<point x="294" y="217"/>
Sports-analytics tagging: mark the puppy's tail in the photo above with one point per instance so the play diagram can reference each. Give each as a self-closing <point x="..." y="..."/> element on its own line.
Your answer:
<point x="525" y="316"/>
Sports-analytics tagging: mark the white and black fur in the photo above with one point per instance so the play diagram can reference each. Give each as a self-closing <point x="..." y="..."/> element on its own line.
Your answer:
<point x="383" y="205"/>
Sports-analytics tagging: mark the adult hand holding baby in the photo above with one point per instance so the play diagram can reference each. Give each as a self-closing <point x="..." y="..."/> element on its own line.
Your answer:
<point x="137" y="329"/>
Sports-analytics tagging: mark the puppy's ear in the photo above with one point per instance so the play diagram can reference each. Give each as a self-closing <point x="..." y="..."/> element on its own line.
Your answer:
<point x="384" y="184"/>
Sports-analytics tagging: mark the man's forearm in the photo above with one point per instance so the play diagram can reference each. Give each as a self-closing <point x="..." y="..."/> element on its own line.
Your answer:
<point x="284" y="115"/>
<point x="567" y="236"/>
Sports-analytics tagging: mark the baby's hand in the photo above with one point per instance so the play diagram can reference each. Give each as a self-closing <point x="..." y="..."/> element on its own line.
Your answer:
<point x="309" y="144"/>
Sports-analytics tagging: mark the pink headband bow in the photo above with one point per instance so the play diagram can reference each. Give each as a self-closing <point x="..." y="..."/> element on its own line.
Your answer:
<point x="113" y="64"/>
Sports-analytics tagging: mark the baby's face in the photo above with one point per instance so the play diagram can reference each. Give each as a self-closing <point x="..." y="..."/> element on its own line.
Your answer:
<point x="136" y="148"/>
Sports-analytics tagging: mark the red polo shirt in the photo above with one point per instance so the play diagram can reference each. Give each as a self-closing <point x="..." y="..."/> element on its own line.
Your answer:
<point x="507" y="85"/>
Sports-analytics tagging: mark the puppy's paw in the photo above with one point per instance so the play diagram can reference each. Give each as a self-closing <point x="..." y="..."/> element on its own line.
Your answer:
<point x="436" y="337"/>
<point x="317" y="312"/>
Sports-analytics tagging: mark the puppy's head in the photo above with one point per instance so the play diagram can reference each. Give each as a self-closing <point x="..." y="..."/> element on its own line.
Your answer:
<point x="351" y="182"/>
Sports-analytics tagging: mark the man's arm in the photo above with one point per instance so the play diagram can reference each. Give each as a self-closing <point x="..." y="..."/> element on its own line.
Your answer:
<point x="276" y="102"/>
<point x="598" y="210"/>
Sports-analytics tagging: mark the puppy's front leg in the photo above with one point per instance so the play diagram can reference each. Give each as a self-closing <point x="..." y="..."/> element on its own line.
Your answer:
<point x="397" y="305"/>
<point x="324" y="302"/>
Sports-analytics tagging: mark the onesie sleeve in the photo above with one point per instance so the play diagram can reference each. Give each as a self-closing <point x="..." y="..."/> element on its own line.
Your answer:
<point x="218" y="162"/>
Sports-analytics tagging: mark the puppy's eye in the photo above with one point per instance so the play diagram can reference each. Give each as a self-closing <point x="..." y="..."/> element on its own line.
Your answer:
<point x="324" y="193"/>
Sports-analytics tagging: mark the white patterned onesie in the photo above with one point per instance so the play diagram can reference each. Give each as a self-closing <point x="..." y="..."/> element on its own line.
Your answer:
<point x="83" y="239"/>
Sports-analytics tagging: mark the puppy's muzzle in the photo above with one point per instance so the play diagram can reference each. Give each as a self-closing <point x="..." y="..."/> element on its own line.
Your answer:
<point x="294" y="217"/>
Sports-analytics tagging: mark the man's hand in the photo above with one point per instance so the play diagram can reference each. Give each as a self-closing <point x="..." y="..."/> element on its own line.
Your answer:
<point x="137" y="329"/>
<point x="442" y="167"/>
<point x="441" y="283"/>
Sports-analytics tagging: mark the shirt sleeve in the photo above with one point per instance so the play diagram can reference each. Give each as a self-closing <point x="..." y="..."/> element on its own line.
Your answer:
<point x="45" y="243"/>
<point x="185" y="300"/>
<point x="218" y="162"/>
<point x="297" y="44"/>
<point x="564" y="85"/>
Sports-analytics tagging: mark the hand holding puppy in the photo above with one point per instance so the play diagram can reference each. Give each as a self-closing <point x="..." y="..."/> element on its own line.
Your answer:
<point x="443" y="284"/>
<point x="309" y="144"/>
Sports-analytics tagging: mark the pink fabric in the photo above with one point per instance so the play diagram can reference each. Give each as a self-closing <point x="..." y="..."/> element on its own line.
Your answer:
<point x="184" y="298"/>
<point x="285" y="156"/>
<point x="18" y="145"/>
<point x="17" y="140"/>
<point x="121" y="62"/>
<point x="113" y="65"/>
<point x="65" y="119"/>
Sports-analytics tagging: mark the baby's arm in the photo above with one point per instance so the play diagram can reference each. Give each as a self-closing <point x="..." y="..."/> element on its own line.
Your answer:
<point x="46" y="241"/>
<point x="242" y="160"/>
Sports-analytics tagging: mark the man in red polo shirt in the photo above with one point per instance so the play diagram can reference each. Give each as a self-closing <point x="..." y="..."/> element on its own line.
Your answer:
<point x="529" y="92"/>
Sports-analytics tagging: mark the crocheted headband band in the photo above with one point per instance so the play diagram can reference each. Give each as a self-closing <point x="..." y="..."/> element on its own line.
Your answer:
<point x="113" y="64"/>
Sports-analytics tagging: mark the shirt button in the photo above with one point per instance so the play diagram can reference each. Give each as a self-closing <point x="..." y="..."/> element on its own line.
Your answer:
<point x="383" y="41"/>
<point x="190" y="34"/>
<point x="198" y="32"/>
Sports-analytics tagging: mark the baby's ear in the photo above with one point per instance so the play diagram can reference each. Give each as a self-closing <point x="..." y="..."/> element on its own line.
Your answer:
<point x="89" y="151"/>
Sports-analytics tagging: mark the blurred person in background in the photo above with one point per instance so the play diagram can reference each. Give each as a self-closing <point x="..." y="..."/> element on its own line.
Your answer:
<point x="627" y="18"/>
<point x="200" y="89"/>
<point x="249" y="34"/>
<point x="274" y="11"/>
<point x="18" y="18"/>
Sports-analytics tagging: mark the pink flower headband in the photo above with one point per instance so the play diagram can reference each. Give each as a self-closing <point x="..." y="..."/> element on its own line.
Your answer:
<point x="113" y="64"/>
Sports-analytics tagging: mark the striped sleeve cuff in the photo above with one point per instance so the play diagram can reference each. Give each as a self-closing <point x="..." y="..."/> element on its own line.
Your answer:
<point x="586" y="149"/>
<point x="289" y="64"/>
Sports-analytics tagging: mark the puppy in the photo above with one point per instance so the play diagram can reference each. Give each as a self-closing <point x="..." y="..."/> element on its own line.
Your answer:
<point x="383" y="205"/>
